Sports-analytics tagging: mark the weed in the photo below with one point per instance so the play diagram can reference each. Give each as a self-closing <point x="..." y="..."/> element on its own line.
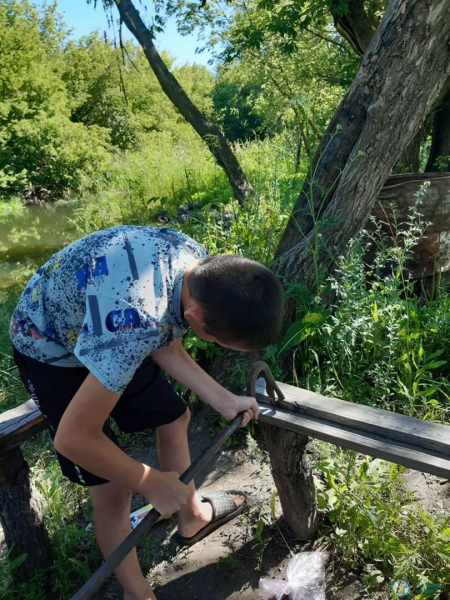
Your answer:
<point x="262" y="541"/>
<point x="363" y="502"/>
<point x="230" y="561"/>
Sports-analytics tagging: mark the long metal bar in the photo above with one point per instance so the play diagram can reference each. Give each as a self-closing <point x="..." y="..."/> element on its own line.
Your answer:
<point x="102" y="574"/>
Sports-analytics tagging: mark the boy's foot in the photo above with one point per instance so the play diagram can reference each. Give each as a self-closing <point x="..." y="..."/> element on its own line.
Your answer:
<point x="207" y="513"/>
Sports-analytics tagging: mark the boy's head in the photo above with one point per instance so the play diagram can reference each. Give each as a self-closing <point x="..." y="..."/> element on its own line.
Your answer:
<point x="240" y="301"/>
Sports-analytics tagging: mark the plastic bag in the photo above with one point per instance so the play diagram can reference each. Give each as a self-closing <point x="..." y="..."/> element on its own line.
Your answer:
<point x="304" y="579"/>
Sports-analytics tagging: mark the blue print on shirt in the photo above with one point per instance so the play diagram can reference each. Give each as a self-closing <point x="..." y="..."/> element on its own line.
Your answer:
<point x="107" y="301"/>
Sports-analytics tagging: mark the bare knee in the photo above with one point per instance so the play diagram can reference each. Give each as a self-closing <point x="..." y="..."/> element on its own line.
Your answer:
<point x="110" y="498"/>
<point x="180" y="425"/>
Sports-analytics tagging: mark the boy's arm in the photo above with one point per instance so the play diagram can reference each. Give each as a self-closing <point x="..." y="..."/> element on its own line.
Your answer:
<point x="80" y="439"/>
<point x="175" y="361"/>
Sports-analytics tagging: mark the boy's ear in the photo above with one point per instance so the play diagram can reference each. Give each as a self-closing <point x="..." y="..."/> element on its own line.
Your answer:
<point x="194" y="314"/>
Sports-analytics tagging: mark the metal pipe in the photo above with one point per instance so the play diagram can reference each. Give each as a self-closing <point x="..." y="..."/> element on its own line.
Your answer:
<point x="102" y="574"/>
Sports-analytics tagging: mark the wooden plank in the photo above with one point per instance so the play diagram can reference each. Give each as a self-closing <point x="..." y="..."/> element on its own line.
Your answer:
<point x="19" y="424"/>
<point x="375" y="445"/>
<point x="425" y="434"/>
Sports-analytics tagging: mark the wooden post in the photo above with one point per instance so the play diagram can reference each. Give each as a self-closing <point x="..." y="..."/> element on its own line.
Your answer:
<point x="291" y="470"/>
<point x="292" y="474"/>
<point x="20" y="514"/>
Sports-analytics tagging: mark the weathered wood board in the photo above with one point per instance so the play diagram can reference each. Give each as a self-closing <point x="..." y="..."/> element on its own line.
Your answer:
<point x="410" y="442"/>
<point x="19" y="424"/>
<point x="432" y="252"/>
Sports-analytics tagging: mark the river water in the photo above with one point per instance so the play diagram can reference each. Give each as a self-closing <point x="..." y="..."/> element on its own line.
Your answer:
<point x="27" y="240"/>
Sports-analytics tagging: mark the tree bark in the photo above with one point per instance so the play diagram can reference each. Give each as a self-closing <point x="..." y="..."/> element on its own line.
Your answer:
<point x="401" y="75"/>
<point x="440" y="145"/>
<point x="292" y="474"/>
<point x="206" y="129"/>
<point x="357" y="27"/>
<point x="354" y="25"/>
<point x="21" y="516"/>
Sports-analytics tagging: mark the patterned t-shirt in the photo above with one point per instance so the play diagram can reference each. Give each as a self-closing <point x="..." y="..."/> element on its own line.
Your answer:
<point x="106" y="301"/>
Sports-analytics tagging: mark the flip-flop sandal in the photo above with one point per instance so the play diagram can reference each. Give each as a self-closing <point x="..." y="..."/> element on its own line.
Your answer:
<point x="224" y="509"/>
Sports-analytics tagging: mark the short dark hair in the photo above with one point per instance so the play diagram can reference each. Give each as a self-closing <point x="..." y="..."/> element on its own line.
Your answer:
<point x="242" y="301"/>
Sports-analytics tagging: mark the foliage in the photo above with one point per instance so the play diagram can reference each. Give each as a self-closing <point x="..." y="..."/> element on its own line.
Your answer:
<point x="40" y="147"/>
<point x="294" y="85"/>
<point x="381" y="344"/>
<point x="234" y="102"/>
<point x="374" y="526"/>
<point x="116" y="90"/>
<point x="66" y="106"/>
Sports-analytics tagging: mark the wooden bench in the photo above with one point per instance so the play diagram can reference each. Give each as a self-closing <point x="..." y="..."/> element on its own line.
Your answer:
<point x="407" y="441"/>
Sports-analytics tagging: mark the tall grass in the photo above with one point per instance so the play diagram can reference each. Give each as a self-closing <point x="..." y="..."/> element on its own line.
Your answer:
<point x="379" y="343"/>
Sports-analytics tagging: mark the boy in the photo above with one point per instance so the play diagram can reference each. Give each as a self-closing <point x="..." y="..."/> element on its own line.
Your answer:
<point x="91" y="332"/>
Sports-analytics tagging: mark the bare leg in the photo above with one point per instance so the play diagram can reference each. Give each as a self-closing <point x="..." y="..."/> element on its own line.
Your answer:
<point x="173" y="452"/>
<point x="112" y="524"/>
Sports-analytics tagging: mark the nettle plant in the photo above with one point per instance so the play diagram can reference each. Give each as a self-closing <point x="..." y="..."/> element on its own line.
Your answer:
<point x="380" y="342"/>
<point x="375" y="526"/>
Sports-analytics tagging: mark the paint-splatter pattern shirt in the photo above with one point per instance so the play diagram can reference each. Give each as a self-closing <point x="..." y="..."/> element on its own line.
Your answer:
<point x="106" y="301"/>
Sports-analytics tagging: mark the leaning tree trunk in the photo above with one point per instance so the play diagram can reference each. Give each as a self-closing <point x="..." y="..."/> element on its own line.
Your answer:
<point x="206" y="129"/>
<point x="401" y="75"/>
<point x="356" y="25"/>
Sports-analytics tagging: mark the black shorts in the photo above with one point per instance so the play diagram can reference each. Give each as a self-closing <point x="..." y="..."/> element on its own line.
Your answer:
<point x="148" y="401"/>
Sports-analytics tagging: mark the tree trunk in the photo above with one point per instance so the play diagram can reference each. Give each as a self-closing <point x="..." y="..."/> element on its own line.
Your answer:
<point x="354" y="25"/>
<point x="357" y="27"/>
<point x="20" y="514"/>
<point x="293" y="479"/>
<point x="402" y="73"/>
<point x="440" y="145"/>
<point x="206" y="129"/>
<point x="409" y="161"/>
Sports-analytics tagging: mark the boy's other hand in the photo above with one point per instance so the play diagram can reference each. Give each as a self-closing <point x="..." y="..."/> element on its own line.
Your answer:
<point x="165" y="491"/>
<point x="245" y="404"/>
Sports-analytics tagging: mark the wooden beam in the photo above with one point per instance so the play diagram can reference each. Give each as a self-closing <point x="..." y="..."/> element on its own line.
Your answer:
<point x="384" y="423"/>
<point x="19" y="424"/>
<point x="353" y="438"/>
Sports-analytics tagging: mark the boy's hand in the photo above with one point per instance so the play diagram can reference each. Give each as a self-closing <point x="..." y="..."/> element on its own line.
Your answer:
<point x="238" y="404"/>
<point x="164" y="490"/>
<point x="175" y="361"/>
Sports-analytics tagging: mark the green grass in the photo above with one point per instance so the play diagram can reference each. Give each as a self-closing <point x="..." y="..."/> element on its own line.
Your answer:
<point x="380" y="343"/>
<point x="373" y="527"/>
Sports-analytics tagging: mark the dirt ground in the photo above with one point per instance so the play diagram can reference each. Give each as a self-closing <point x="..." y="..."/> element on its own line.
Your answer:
<point x="226" y="564"/>
<point x="229" y="563"/>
